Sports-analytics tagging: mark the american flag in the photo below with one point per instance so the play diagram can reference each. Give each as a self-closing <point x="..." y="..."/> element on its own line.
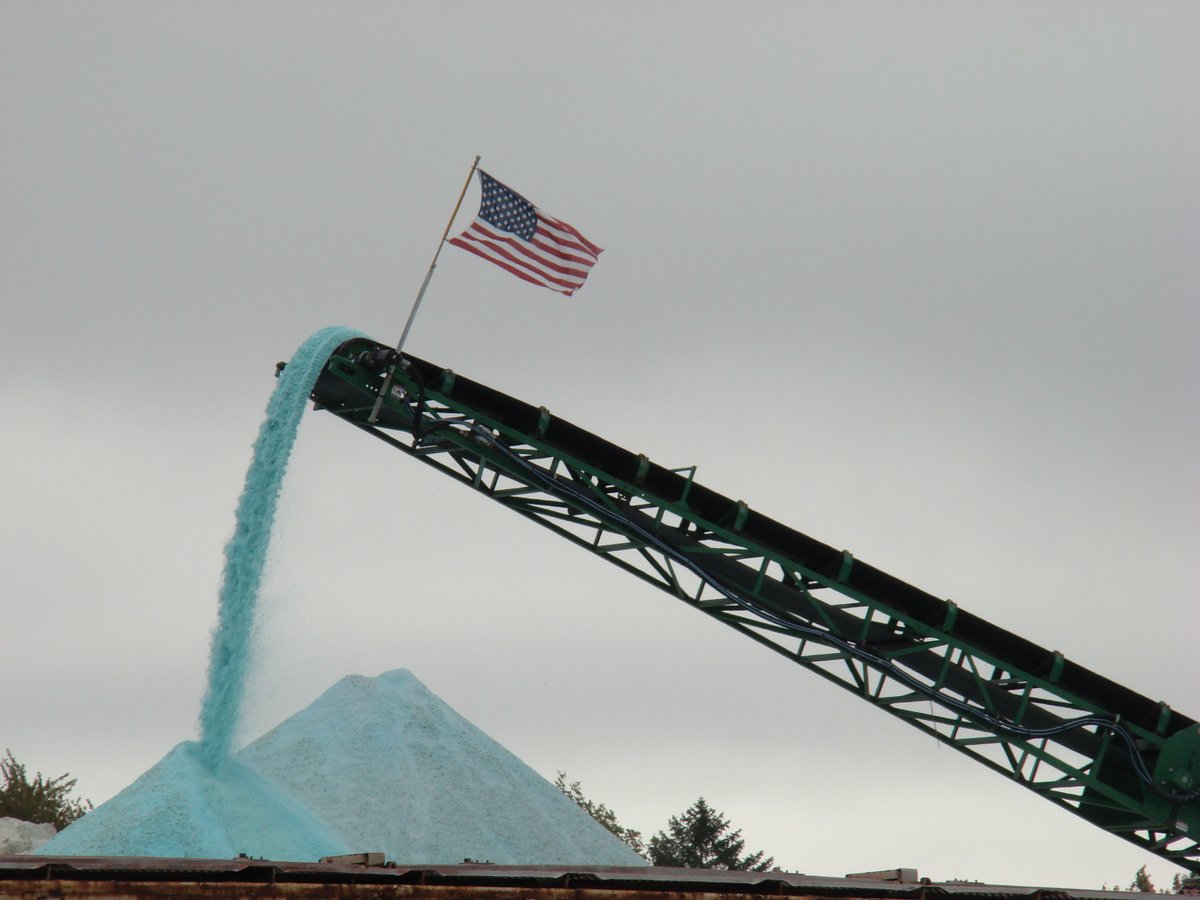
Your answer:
<point x="517" y="236"/>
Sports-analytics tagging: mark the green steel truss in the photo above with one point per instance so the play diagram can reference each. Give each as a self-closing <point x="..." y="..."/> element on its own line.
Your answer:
<point x="1137" y="780"/>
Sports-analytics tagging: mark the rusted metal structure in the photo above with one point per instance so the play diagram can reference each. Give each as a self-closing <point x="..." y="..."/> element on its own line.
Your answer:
<point x="141" y="878"/>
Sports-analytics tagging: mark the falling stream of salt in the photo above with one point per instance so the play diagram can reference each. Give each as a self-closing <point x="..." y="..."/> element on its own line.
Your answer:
<point x="375" y="762"/>
<point x="246" y="551"/>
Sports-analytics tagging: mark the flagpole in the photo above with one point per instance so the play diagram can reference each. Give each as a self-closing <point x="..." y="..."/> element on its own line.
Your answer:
<point x="387" y="379"/>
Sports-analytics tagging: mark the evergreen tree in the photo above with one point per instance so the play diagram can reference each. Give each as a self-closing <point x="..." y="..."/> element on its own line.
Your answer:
<point x="602" y="814"/>
<point x="700" y="839"/>
<point x="1141" y="882"/>
<point x="1189" y="883"/>
<point x="41" y="800"/>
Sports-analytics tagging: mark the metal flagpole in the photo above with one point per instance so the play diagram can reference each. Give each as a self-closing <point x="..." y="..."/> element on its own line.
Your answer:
<point x="387" y="379"/>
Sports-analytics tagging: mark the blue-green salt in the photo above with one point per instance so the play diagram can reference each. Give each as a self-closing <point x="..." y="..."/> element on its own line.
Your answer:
<point x="246" y="551"/>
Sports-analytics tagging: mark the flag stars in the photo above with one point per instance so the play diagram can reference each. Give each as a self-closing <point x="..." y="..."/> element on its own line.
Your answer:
<point x="507" y="210"/>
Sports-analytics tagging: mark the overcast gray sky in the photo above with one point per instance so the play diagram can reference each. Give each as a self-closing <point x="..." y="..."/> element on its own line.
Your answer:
<point x="917" y="279"/>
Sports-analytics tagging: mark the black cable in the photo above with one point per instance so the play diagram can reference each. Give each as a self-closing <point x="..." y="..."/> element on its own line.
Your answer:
<point x="418" y="408"/>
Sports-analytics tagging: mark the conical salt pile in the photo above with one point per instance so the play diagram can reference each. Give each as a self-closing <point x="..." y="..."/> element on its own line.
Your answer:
<point x="179" y="807"/>
<point x="374" y="764"/>
<point x="389" y="766"/>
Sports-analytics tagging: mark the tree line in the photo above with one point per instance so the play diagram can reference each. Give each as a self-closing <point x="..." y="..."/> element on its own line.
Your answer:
<point x="1180" y="884"/>
<point x="40" y="800"/>
<point x="698" y="838"/>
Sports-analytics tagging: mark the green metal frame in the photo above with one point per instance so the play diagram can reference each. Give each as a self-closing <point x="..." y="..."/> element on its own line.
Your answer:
<point x="1015" y="722"/>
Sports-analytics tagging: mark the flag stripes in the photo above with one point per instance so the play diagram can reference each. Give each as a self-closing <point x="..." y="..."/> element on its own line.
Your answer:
<point x="517" y="236"/>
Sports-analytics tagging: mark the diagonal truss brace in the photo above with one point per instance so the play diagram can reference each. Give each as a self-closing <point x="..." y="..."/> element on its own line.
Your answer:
<point x="990" y="710"/>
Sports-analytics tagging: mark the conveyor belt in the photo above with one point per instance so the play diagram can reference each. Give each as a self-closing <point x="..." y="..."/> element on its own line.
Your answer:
<point x="1126" y="762"/>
